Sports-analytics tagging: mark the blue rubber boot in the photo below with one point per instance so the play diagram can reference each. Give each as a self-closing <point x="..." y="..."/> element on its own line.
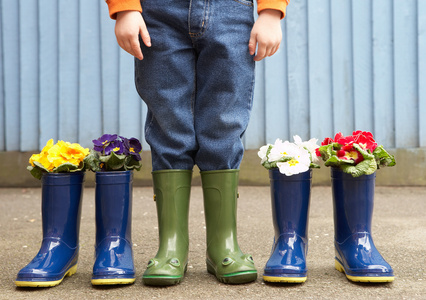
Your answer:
<point x="113" y="249"/>
<point x="61" y="211"/>
<point x="290" y="197"/>
<point x="356" y="254"/>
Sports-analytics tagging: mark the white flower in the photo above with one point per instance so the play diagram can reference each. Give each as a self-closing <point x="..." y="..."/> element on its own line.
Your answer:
<point x="298" y="164"/>
<point x="281" y="149"/>
<point x="262" y="153"/>
<point x="310" y="145"/>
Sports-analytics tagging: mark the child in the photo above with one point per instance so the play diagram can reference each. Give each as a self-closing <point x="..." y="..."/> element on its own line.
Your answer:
<point x="196" y="76"/>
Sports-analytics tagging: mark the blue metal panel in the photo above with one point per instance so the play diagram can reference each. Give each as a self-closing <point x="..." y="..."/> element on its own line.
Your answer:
<point x="363" y="65"/>
<point x="90" y="102"/>
<point x="343" y="65"/>
<point x="343" y="102"/>
<point x="406" y="76"/>
<point x="2" y="120"/>
<point x="298" y="79"/>
<point x="383" y="73"/>
<point x="110" y="75"/>
<point x="68" y="70"/>
<point x="145" y="145"/>
<point x="130" y="121"/>
<point x="276" y="95"/>
<point x="29" y="74"/>
<point x="254" y="136"/>
<point x="11" y="74"/>
<point x="320" y="72"/>
<point x="48" y="76"/>
<point x="421" y="13"/>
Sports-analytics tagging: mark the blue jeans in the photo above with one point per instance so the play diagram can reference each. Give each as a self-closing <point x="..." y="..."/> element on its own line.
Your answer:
<point x="197" y="80"/>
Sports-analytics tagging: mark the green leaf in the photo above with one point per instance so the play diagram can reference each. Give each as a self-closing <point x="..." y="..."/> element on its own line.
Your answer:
<point x="92" y="161"/>
<point x="328" y="151"/>
<point x="36" y="172"/>
<point x="334" y="161"/>
<point x="366" y="167"/>
<point x="383" y="158"/>
<point x="132" y="164"/>
<point x="271" y="165"/>
<point x="39" y="165"/>
<point x="65" y="168"/>
<point x="113" y="162"/>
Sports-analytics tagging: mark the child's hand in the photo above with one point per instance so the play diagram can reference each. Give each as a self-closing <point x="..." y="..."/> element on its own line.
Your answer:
<point x="128" y="26"/>
<point x="266" y="34"/>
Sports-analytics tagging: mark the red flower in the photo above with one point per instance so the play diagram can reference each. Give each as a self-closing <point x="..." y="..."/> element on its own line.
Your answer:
<point x="353" y="154"/>
<point x="327" y="141"/>
<point x="341" y="153"/>
<point x="317" y="152"/>
<point x="365" y="140"/>
<point x="346" y="141"/>
<point x="338" y="136"/>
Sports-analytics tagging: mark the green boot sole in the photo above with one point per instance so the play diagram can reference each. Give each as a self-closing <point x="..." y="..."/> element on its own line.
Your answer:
<point x="238" y="277"/>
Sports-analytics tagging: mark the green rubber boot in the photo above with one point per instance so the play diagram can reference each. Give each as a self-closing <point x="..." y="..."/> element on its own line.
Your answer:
<point x="171" y="193"/>
<point x="224" y="257"/>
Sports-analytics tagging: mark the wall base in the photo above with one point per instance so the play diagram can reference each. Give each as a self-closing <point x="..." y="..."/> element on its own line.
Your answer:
<point x="410" y="170"/>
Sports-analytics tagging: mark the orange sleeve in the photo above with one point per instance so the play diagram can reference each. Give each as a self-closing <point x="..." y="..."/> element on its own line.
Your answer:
<point x="115" y="6"/>
<point x="280" y="5"/>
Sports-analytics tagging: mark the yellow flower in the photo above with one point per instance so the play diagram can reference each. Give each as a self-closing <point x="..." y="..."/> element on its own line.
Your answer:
<point x="42" y="158"/>
<point x="54" y="155"/>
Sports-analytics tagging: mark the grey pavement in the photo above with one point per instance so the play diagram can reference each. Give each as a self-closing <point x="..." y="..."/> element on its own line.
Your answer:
<point x="399" y="232"/>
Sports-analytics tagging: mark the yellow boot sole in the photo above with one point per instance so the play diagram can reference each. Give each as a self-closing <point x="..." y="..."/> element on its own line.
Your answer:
<point x="340" y="268"/>
<point x="282" y="279"/>
<point x="113" y="281"/>
<point x="71" y="271"/>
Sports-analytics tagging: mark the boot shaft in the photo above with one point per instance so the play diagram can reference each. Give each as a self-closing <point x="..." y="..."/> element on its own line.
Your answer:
<point x="172" y="190"/>
<point x="290" y="197"/>
<point x="61" y="206"/>
<point x="353" y="202"/>
<point x="113" y="196"/>
<point x="220" y="191"/>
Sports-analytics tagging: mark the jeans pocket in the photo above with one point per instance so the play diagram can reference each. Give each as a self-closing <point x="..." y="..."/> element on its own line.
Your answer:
<point x="245" y="2"/>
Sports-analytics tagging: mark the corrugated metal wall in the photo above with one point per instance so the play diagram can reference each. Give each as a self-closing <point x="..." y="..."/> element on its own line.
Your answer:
<point x="343" y="65"/>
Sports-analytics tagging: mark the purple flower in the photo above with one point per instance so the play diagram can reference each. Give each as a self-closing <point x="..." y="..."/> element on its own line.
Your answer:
<point x="134" y="147"/>
<point x="103" y="142"/>
<point x="115" y="146"/>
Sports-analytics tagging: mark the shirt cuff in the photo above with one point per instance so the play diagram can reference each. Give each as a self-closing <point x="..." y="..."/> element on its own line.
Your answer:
<point x="280" y="5"/>
<point x="115" y="6"/>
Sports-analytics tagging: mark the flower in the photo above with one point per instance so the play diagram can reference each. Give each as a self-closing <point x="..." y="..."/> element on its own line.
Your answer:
<point x="134" y="147"/>
<point x="358" y="154"/>
<point x="289" y="158"/>
<point x="58" y="158"/>
<point x="102" y="143"/>
<point x="112" y="152"/>
<point x="310" y="145"/>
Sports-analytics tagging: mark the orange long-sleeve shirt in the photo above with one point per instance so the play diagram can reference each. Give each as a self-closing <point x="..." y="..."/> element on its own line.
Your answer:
<point x="116" y="6"/>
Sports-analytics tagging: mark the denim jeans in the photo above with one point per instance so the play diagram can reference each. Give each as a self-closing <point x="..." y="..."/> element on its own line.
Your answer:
<point x="197" y="80"/>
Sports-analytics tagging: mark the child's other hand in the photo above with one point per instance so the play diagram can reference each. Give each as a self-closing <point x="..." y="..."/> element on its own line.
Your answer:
<point x="266" y="34"/>
<point x="128" y="26"/>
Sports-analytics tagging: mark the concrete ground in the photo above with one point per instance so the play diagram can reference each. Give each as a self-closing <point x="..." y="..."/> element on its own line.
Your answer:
<point x="399" y="231"/>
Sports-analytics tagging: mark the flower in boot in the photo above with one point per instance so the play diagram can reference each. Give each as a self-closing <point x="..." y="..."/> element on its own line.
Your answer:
<point x="103" y="142"/>
<point x="289" y="158"/>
